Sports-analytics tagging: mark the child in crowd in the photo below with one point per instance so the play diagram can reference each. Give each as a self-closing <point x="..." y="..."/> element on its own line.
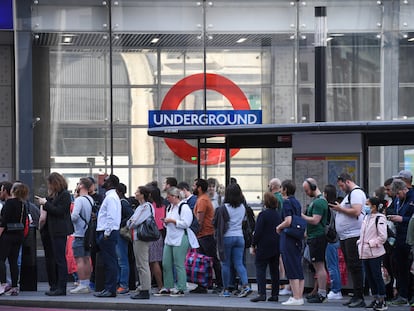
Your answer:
<point x="371" y="249"/>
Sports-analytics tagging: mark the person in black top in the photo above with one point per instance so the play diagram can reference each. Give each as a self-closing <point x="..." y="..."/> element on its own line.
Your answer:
<point x="266" y="247"/>
<point x="97" y="198"/>
<point x="12" y="212"/>
<point x="55" y="231"/>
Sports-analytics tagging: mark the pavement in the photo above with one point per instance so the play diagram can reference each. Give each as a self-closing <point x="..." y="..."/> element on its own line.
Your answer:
<point x="193" y="302"/>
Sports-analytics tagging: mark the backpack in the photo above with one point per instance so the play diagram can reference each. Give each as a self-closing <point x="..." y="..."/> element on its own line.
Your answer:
<point x="349" y="195"/>
<point x="89" y="240"/>
<point x="248" y="225"/>
<point x="330" y="229"/>
<point x="195" y="226"/>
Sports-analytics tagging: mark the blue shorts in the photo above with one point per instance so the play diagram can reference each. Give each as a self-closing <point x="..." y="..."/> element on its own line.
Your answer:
<point x="79" y="248"/>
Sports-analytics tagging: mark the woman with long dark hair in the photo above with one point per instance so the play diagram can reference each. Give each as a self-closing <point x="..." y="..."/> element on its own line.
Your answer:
<point x="331" y="254"/>
<point x="55" y="231"/>
<point x="12" y="212"/>
<point x="141" y="248"/>
<point x="233" y="240"/>
<point x="156" y="248"/>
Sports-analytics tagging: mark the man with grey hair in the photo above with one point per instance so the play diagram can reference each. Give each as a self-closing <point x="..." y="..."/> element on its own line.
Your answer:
<point x="275" y="187"/>
<point x="406" y="177"/>
<point x="404" y="208"/>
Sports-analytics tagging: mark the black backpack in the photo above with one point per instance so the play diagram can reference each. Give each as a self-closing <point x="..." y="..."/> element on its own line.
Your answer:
<point x="195" y="226"/>
<point x="89" y="240"/>
<point x="248" y="226"/>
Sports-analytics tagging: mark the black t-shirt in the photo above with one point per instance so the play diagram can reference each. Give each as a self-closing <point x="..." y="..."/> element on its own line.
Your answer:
<point x="12" y="212"/>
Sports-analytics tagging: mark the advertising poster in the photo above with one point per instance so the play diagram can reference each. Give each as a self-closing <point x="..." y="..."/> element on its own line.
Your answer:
<point x="324" y="169"/>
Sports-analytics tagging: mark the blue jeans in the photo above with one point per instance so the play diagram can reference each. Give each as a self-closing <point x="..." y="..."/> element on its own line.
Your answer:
<point x="107" y="249"/>
<point x="233" y="251"/>
<point x="373" y="272"/>
<point x="332" y="264"/>
<point x="123" y="263"/>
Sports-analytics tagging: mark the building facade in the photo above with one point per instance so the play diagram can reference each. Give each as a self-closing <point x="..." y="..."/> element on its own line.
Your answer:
<point x="78" y="78"/>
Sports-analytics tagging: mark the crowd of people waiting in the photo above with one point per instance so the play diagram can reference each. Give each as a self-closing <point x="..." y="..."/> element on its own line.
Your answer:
<point x="372" y="234"/>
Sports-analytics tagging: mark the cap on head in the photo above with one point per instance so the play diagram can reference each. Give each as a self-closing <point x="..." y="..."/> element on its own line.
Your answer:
<point x="404" y="174"/>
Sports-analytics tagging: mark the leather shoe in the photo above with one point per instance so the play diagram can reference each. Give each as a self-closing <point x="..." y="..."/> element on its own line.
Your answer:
<point x="105" y="294"/>
<point x="273" y="298"/>
<point x="144" y="294"/>
<point x="199" y="290"/>
<point x="56" y="292"/>
<point x="258" y="298"/>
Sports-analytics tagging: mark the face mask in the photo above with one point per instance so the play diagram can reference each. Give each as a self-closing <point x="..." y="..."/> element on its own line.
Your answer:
<point x="367" y="209"/>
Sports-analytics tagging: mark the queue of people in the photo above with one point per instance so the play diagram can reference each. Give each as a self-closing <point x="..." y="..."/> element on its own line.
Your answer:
<point x="371" y="234"/>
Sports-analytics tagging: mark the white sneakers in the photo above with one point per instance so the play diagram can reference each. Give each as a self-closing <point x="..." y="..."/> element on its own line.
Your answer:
<point x="285" y="292"/>
<point x="334" y="296"/>
<point x="4" y="287"/>
<point x="293" y="302"/>
<point x="80" y="289"/>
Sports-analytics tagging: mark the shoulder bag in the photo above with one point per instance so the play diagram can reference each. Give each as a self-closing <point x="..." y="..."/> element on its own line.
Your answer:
<point x="148" y="231"/>
<point x="297" y="227"/>
<point x="16" y="226"/>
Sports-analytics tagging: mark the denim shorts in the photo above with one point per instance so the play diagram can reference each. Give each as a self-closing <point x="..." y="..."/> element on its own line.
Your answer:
<point x="79" y="248"/>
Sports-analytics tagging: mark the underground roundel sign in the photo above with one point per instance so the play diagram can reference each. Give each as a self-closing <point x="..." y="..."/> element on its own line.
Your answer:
<point x="186" y="86"/>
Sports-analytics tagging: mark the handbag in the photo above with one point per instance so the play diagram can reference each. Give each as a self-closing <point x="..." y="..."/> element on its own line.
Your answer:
<point x="16" y="226"/>
<point x="330" y="229"/>
<point x="297" y="228"/>
<point x="199" y="268"/>
<point x="148" y="231"/>
<point x="125" y="233"/>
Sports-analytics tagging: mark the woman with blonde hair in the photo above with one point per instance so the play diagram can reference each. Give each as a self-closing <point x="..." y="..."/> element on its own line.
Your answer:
<point x="178" y="239"/>
<point x="54" y="232"/>
<point x="11" y="240"/>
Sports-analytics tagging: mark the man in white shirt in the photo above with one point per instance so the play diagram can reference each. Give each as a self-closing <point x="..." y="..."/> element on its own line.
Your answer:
<point x="348" y="221"/>
<point x="107" y="233"/>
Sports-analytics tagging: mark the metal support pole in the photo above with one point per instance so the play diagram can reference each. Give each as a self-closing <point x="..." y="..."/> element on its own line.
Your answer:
<point x="320" y="63"/>
<point x="227" y="161"/>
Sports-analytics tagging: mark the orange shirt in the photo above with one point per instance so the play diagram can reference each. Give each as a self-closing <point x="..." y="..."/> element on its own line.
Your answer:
<point x="204" y="205"/>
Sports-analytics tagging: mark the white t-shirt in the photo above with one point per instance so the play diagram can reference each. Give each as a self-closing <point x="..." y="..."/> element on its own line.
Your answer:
<point x="350" y="226"/>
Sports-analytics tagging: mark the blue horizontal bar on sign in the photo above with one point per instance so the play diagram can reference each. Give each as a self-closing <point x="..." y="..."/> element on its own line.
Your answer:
<point x="162" y="118"/>
<point x="6" y="14"/>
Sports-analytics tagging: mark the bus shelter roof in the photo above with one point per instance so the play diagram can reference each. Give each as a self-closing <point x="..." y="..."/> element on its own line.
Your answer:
<point x="376" y="133"/>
